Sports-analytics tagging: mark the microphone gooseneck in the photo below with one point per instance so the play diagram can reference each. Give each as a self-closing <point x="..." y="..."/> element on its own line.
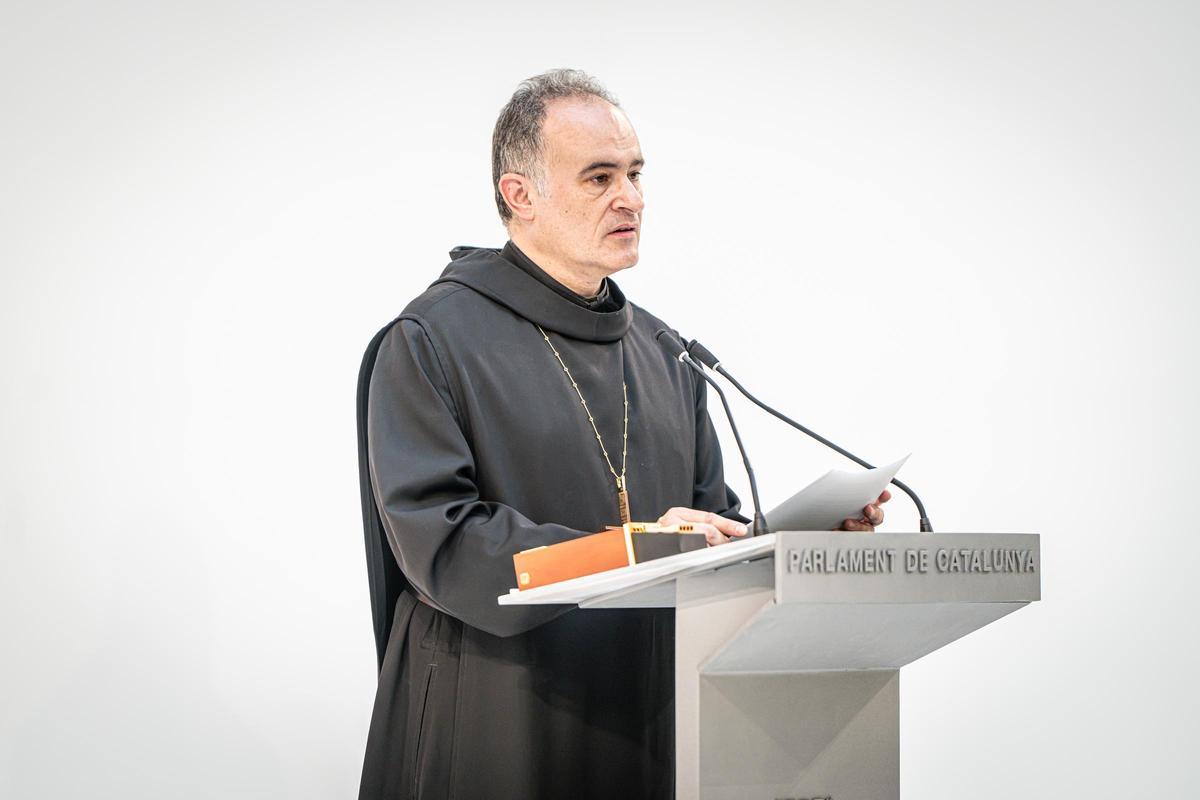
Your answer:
<point x="705" y="357"/>
<point x="677" y="351"/>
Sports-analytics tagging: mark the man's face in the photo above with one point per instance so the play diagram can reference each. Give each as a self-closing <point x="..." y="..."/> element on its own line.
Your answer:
<point x="591" y="214"/>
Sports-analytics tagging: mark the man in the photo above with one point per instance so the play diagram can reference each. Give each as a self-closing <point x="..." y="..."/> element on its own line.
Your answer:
<point x="516" y="403"/>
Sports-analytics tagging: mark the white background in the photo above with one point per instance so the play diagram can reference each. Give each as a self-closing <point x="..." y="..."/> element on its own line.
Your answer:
<point x="964" y="230"/>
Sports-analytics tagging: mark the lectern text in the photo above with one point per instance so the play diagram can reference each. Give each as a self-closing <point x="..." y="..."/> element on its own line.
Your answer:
<point x="869" y="561"/>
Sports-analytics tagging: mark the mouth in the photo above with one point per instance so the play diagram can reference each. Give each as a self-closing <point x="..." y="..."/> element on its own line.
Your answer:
<point x="624" y="231"/>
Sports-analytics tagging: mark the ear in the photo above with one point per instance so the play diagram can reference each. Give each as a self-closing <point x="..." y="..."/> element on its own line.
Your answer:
<point x="519" y="192"/>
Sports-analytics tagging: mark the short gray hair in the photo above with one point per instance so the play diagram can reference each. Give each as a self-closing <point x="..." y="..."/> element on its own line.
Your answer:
<point x="517" y="139"/>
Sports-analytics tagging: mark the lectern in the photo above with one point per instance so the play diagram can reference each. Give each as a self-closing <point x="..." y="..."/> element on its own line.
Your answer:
<point x="788" y="648"/>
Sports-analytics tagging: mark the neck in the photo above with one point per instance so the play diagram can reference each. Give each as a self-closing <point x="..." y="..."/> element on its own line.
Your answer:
<point x="582" y="282"/>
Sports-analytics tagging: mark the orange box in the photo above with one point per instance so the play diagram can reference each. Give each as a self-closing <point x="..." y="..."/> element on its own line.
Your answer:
<point x="633" y="543"/>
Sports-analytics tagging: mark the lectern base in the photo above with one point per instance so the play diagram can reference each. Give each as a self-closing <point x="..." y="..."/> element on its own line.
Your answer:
<point x="810" y="734"/>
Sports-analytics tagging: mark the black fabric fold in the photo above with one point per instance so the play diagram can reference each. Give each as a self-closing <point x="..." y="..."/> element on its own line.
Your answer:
<point x="488" y="272"/>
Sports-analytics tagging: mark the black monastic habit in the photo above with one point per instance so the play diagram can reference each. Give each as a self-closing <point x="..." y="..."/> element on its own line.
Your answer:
<point x="477" y="447"/>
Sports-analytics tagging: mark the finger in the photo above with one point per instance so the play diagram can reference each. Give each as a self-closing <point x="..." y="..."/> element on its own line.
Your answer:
<point x="692" y="514"/>
<point x="884" y="496"/>
<point x="728" y="527"/>
<point x="711" y="534"/>
<point x="873" y="514"/>
<point x="678" y="516"/>
<point x="857" y="525"/>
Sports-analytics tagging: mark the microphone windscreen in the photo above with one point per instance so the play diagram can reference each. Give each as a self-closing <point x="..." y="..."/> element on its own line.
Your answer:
<point x="668" y="342"/>
<point x="702" y="354"/>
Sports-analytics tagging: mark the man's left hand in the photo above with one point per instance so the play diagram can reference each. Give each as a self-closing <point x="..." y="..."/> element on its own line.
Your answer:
<point x="716" y="529"/>
<point x="872" y="516"/>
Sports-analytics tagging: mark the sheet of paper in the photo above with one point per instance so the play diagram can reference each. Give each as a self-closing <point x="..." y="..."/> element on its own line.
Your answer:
<point x="835" y="496"/>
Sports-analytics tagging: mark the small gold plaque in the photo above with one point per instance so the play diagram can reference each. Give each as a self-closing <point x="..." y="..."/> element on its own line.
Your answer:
<point x="654" y="527"/>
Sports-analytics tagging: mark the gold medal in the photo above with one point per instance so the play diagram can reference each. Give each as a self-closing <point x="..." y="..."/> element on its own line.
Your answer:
<point x="623" y="501"/>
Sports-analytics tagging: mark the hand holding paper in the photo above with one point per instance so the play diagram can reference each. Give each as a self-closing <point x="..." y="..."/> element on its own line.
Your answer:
<point x="832" y="499"/>
<point x="871" y="516"/>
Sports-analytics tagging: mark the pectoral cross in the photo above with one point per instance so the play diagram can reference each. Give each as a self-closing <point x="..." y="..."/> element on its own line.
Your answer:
<point x="623" y="501"/>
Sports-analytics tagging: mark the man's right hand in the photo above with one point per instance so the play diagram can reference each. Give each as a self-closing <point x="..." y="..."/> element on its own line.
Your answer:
<point x="716" y="529"/>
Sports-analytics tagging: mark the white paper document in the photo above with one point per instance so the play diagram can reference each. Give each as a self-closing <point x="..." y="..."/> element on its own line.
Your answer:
<point x="831" y="498"/>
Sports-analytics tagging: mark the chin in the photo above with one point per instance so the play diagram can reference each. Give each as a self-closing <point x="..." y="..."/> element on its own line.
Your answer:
<point x="623" y="260"/>
<point x="618" y="265"/>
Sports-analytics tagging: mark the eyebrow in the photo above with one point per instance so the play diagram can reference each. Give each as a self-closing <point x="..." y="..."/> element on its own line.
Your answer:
<point x="637" y="162"/>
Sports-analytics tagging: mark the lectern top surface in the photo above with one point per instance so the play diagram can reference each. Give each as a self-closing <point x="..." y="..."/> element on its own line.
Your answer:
<point x="639" y="576"/>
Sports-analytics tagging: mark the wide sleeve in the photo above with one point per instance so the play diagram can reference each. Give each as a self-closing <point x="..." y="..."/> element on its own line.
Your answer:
<point x="711" y="493"/>
<point x="453" y="547"/>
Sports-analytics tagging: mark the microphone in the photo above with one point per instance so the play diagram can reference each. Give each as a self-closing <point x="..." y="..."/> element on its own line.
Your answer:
<point x="705" y="357"/>
<point x="676" y="349"/>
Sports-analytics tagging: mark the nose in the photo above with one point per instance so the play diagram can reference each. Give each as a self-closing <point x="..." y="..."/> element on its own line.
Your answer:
<point x="629" y="197"/>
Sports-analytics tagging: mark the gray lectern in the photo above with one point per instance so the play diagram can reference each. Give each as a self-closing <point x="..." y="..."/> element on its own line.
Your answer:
<point x="788" y="648"/>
